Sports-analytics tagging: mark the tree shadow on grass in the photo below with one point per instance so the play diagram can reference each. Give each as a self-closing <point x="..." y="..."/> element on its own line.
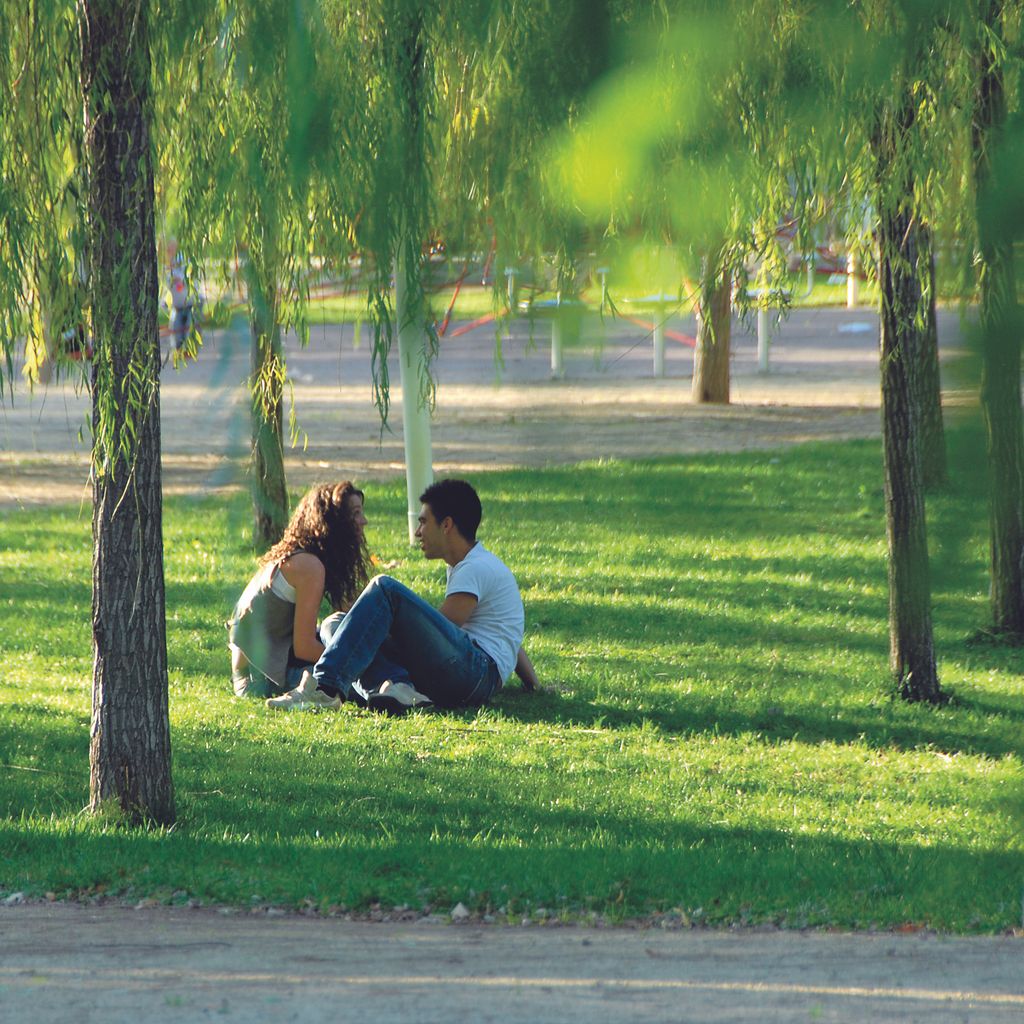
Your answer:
<point x="336" y="812"/>
<point x="39" y="744"/>
<point x="994" y="731"/>
<point x="478" y="832"/>
<point x="993" y="707"/>
<point x="727" y="625"/>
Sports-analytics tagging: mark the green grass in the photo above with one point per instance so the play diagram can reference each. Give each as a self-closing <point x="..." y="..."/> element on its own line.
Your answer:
<point x="473" y="301"/>
<point x="828" y="290"/>
<point x="716" y="741"/>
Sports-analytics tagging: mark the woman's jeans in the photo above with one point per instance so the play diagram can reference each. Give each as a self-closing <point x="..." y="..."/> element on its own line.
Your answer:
<point x="392" y="633"/>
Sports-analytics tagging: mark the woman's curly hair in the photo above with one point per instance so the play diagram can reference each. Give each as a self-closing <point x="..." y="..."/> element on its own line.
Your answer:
<point x="323" y="524"/>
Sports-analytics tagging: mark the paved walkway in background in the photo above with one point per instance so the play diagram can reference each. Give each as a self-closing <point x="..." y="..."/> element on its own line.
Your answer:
<point x="823" y="384"/>
<point x="112" y="965"/>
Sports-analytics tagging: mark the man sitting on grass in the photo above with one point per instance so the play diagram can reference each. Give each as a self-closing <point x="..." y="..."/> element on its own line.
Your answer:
<point x="455" y="656"/>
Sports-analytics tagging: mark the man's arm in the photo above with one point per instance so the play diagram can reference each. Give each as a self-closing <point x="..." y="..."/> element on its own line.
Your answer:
<point x="525" y="671"/>
<point x="459" y="607"/>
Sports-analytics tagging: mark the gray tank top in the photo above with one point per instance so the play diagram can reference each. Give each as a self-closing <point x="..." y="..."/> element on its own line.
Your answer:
<point x="262" y="625"/>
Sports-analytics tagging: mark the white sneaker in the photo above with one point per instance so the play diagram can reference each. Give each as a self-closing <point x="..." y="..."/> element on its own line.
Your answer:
<point x="304" y="697"/>
<point x="397" y="698"/>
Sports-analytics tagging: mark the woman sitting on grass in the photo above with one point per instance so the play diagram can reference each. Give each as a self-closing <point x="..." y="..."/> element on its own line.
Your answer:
<point x="273" y="634"/>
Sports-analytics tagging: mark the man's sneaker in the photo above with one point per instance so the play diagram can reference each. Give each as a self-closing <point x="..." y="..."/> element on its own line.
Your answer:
<point x="397" y="699"/>
<point x="304" y="697"/>
<point x="359" y="695"/>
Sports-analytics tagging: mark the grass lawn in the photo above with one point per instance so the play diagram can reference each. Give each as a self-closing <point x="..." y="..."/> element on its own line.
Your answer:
<point x="473" y="301"/>
<point x="715" y="742"/>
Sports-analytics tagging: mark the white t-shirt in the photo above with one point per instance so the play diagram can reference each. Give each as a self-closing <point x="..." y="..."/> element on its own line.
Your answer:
<point x="498" y="620"/>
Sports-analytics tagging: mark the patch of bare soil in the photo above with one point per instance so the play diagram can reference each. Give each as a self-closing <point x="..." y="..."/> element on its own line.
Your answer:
<point x="476" y="426"/>
<point x="61" y="962"/>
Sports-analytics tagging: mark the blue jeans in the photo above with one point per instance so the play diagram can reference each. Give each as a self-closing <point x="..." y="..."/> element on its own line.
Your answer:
<point x="391" y="633"/>
<point x="327" y="629"/>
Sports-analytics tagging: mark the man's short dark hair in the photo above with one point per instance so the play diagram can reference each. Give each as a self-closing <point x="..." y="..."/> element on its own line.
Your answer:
<point x="455" y="498"/>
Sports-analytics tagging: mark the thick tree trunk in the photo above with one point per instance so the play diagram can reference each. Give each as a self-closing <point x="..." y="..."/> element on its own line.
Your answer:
<point x="266" y="388"/>
<point x="933" y="437"/>
<point x="714" y="329"/>
<point x="130" y="745"/>
<point x="911" y="644"/>
<point x="1001" y="409"/>
<point x="1000" y="349"/>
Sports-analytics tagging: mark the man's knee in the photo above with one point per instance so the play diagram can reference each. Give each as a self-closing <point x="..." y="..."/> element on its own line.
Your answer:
<point x="382" y="588"/>
<point x="388" y="590"/>
<point x="330" y="626"/>
<point x="387" y="584"/>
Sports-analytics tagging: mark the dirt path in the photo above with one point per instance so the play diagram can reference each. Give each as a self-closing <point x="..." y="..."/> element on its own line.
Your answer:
<point x="164" y="966"/>
<point x="475" y="428"/>
<point x="823" y="385"/>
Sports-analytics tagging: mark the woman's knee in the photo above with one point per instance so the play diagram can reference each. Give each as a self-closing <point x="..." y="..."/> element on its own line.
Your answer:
<point x="254" y="684"/>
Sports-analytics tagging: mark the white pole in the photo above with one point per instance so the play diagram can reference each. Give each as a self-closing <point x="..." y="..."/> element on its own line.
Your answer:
<point x="412" y="358"/>
<point x="659" y="340"/>
<point x="557" y="367"/>
<point x="510" y="273"/>
<point x="852" y="283"/>
<point x="762" y="340"/>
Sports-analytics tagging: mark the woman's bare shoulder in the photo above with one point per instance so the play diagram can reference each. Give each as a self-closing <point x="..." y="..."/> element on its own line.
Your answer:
<point x="302" y="567"/>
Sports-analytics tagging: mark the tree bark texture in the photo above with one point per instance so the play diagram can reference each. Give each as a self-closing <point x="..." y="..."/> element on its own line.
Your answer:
<point x="130" y="745"/>
<point x="933" y="437"/>
<point x="911" y="643"/>
<point x="714" y="329"/>
<point x="266" y="387"/>
<point x="1000" y="349"/>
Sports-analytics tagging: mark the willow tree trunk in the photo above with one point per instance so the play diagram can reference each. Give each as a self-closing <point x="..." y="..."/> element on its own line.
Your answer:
<point x="714" y="329"/>
<point x="415" y="350"/>
<point x="911" y="642"/>
<point x="130" y="743"/>
<point x="414" y="366"/>
<point x="1000" y="347"/>
<point x="266" y="389"/>
<point x="934" y="473"/>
